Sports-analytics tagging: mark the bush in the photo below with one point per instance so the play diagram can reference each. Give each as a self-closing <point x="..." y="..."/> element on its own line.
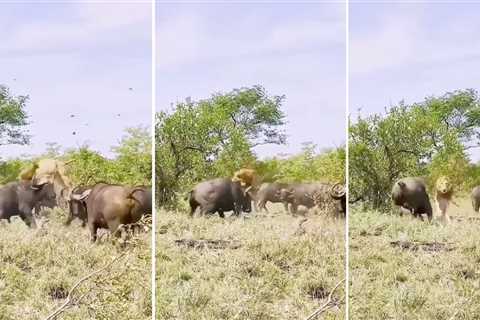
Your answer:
<point x="130" y="166"/>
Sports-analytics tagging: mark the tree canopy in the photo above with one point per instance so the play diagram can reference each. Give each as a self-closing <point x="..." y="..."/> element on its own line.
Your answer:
<point x="429" y="139"/>
<point x="13" y="118"/>
<point x="215" y="136"/>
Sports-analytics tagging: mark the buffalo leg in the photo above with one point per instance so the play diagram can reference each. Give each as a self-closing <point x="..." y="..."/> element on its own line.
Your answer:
<point x="114" y="226"/>
<point x="476" y="205"/>
<point x="262" y="205"/>
<point x="404" y="210"/>
<point x="210" y="209"/>
<point x="293" y="208"/>
<point x="193" y="207"/>
<point x="69" y="220"/>
<point x="93" y="231"/>
<point x="29" y="220"/>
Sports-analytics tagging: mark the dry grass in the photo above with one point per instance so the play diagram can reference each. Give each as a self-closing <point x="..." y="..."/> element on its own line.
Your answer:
<point x="38" y="268"/>
<point x="402" y="268"/>
<point x="263" y="266"/>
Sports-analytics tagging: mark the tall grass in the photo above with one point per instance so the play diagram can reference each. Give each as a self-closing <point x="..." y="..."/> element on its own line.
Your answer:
<point x="263" y="266"/>
<point x="39" y="266"/>
<point x="402" y="268"/>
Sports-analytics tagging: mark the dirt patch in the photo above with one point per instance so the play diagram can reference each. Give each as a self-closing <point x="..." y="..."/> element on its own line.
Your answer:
<point x="209" y="244"/>
<point x="465" y="218"/>
<point x="424" y="246"/>
<point x="378" y="231"/>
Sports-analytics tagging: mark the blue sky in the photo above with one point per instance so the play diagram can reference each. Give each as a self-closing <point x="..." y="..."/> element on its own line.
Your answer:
<point x="77" y="59"/>
<point x="289" y="48"/>
<point x="411" y="51"/>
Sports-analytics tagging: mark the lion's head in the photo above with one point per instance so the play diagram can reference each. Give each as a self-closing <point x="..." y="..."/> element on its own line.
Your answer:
<point x="444" y="186"/>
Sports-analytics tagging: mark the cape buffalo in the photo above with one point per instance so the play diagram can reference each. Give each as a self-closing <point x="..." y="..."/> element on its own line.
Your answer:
<point x="49" y="201"/>
<point x="109" y="206"/>
<point x="220" y="195"/>
<point x="77" y="208"/>
<point x="19" y="199"/>
<point x="410" y="194"/>
<point x="339" y="193"/>
<point x="143" y="196"/>
<point x="270" y="192"/>
<point x="302" y="194"/>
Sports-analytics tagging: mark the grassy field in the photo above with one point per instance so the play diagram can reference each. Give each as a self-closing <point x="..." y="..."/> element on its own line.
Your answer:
<point x="262" y="266"/>
<point x="402" y="268"/>
<point x="38" y="268"/>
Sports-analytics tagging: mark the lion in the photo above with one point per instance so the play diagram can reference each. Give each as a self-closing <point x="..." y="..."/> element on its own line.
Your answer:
<point x="444" y="194"/>
<point x="50" y="171"/>
<point x="247" y="177"/>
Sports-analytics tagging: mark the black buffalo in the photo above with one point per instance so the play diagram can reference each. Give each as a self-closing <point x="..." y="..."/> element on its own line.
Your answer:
<point x="77" y="208"/>
<point x="19" y="198"/>
<point x="109" y="206"/>
<point x="220" y="195"/>
<point x="410" y="194"/>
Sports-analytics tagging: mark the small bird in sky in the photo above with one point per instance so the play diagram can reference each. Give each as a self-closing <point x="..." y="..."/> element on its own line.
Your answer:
<point x="74" y="133"/>
<point x="131" y="89"/>
<point x="118" y="114"/>
<point x="72" y="116"/>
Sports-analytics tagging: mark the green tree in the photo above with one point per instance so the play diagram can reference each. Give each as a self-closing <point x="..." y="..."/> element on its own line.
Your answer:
<point x="307" y="166"/>
<point x="214" y="137"/>
<point x="134" y="156"/>
<point x="422" y="139"/>
<point x="131" y="164"/>
<point x="13" y="118"/>
<point x="9" y="170"/>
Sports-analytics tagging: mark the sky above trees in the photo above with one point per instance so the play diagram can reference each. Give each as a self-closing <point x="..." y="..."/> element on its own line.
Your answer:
<point x="86" y="68"/>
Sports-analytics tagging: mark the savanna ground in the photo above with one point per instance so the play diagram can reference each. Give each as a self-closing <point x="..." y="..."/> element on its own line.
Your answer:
<point x="39" y="266"/>
<point x="402" y="268"/>
<point x="258" y="266"/>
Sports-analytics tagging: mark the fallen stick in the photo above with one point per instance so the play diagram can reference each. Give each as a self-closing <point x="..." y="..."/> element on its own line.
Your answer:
<point x="329" y="304"/>
<point x="70" y="299"/>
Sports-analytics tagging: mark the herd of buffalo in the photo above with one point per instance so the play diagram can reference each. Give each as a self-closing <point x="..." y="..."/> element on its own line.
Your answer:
<point x="104" y="205"/>
<point x="237" y="194"/>
<point x="101" y="205"/>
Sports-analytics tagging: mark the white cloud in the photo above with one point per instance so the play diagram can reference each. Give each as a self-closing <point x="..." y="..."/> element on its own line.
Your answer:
<point x="88" y="24"/>
<point x="408" y="38"/>
<point x="184" y="39"/>
<point x="388" y="44"/>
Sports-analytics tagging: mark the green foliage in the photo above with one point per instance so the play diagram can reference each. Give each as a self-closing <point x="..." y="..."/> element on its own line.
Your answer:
<point x="10" y="170"/>
<point x="213" y="137"/>
<point x="134" y="157"/>
<point x="423" y="139"/>
<point x="130" y="166"/>
<point x="307" y="166"/>
<point x="13" y="118"/>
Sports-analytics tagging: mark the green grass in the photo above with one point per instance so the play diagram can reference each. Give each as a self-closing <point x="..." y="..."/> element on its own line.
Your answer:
<point x="39" y="266"/>
<point x="414" y="280"/>
<point x="267" y="268"/>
